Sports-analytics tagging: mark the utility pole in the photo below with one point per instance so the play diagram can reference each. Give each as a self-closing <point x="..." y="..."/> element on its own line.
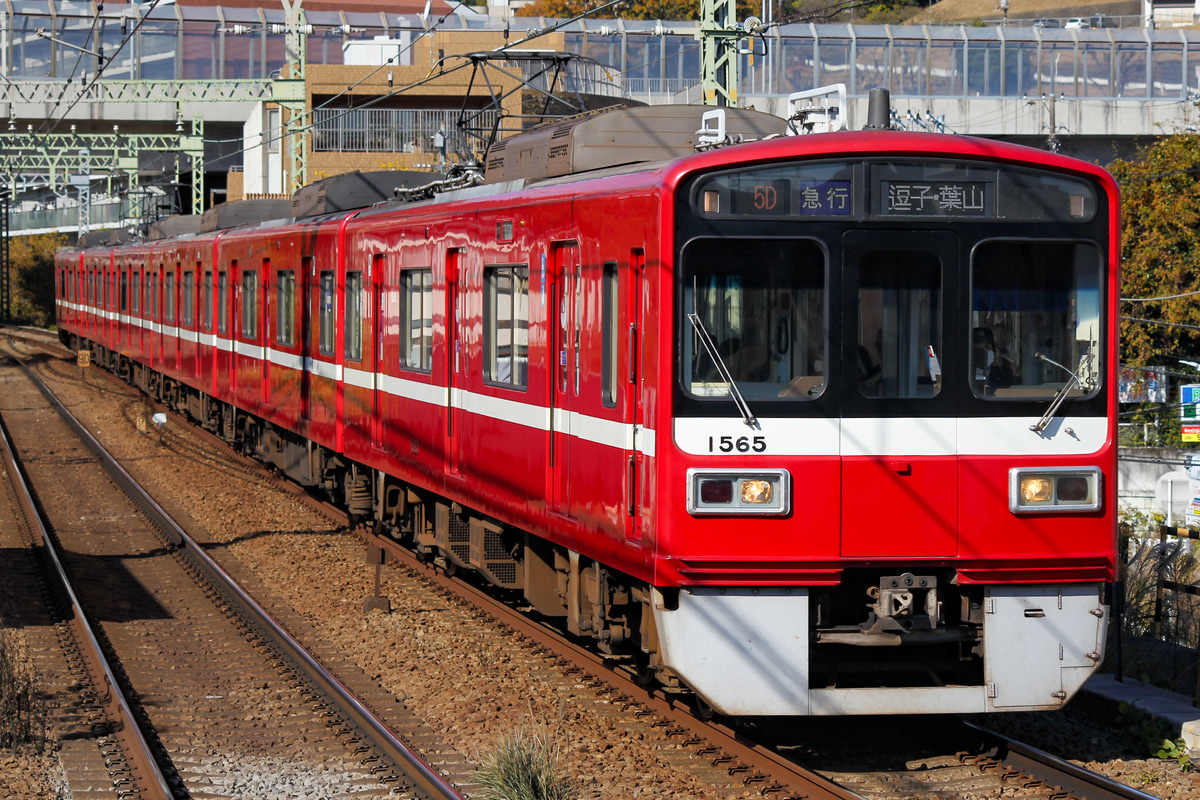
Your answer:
<point x="58" y="154"/>
<point x="83" y="183"/>
<point x="1048" y="102"/>
<point x="719" y="37"/>
<point x="295" y="106"/>
<point x="5" y="281"/>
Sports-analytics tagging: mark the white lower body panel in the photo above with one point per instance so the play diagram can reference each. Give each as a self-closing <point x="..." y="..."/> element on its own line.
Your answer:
<point x="745" y="652"/>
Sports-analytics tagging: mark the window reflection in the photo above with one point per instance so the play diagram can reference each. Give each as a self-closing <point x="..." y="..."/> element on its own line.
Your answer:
<point x="763" y="304"/>
<point x="1035" y="314"/>
<point x="900" y="326"/>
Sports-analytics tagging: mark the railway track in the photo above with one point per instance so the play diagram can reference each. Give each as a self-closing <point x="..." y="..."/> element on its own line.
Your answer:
<point x="221" y="700"/>
<point x="756" y="759"/>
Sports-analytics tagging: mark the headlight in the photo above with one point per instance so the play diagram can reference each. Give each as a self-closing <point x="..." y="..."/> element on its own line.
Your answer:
<point x="717" y="491"/>
<point x="1054" y="489"/>
<point x="756" y="492"/>
<point x="1036" y="490"/>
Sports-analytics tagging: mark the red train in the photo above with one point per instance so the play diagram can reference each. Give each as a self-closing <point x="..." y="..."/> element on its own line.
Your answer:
<point x="811" y="425"/>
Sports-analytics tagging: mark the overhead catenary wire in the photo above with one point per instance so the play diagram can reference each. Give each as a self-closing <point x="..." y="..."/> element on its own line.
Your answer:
<point x="99" y="71"/>
<point x="431" y="77"/>
<point x="100" y="67"/>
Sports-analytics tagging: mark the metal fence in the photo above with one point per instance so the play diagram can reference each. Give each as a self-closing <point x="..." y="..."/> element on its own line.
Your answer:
<point x="389" y="130"/>
<point x="67" y="217"/>
<point x="638" y="57"/>
<point x="1164" y="585"/>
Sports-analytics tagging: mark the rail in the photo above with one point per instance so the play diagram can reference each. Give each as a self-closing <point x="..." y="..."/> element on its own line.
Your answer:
<point x="1059" y="772"/>
<point x="137" y="748"/>
<point x="424" y="779"/>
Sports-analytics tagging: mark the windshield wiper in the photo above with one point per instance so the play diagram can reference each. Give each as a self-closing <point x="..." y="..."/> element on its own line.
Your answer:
<point x="722" y="370"/>
<point x="1084" y="361"/>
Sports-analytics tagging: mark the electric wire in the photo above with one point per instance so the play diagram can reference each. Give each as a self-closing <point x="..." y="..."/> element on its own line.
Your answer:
<point x="1161" y="322"/>
<point x="75" y="69"/>
<point x="431" y="77"/>
<point x="1156" y="299"/>
<point x="100" y="67"/>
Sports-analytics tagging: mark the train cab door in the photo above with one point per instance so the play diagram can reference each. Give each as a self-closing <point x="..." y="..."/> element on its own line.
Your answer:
<point x="564" y="353"/>
<point x="899" y="434"/>
<point x="456" y="359"/>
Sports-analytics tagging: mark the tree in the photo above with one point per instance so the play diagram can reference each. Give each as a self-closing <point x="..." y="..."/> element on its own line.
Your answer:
<point x="1160" y="251"/>
<point x="32" y="277"/>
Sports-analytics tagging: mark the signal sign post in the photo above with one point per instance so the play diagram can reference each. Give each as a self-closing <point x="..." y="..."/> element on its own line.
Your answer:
<point x="1189" y="411"/>
<point x="1189" y="418"/>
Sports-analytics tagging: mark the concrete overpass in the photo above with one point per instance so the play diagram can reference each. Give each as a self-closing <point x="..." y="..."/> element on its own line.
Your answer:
<point x="1098" y="91"/>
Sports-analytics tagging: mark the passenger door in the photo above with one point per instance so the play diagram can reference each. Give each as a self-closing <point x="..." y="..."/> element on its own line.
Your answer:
<point x="384" y="358"/>
<point x="899" y="433"/>
<point x="456" y="359"/>
<point x="565" y="341"/>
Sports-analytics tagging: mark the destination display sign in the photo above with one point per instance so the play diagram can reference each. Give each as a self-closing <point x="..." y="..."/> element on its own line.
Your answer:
<point x="884" y="188"/>
<point x="770" y="197"/>
<point x="934" y="198"/>
<point x="825" y="198"/>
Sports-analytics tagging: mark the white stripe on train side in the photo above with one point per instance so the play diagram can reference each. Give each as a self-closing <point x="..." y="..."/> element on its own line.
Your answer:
<point x="714" y="436"/>
<point x="889" y="436"/>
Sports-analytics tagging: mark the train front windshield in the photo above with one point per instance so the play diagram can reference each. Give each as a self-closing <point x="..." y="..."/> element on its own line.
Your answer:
<point x="768" y="325"/>
<point x="991" y="294"/>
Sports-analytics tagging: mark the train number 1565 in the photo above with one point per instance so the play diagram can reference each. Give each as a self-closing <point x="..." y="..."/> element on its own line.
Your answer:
<point x="741" y="444"/>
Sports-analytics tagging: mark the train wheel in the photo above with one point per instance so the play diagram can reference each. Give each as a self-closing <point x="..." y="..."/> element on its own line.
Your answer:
<point x="643" y="673"/>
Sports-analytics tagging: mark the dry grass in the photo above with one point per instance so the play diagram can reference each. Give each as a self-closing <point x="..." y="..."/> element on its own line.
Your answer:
<point x="22" y="710"/>
<point x="967" y="11"/>
<point x="526" y="765"/>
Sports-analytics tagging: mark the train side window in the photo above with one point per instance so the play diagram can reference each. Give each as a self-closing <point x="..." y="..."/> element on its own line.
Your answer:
<point x="353" y="332"/>
<point x="207" y="300"/>
<point x="124" y="290"/>
<point x="506" y="325"/>
<point x="326" y="315"/>
<point x="608" y="349"/>
<point x="169" y="301"/>
<point x="285" y="302"/>
<point x="187" y="312"/>
<point x="154" y="297"/>
<point x="135" y="285"/>
<point x="223" y="301"/>
<point x="250" y="304"/>
<point x="416" y="300"/>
